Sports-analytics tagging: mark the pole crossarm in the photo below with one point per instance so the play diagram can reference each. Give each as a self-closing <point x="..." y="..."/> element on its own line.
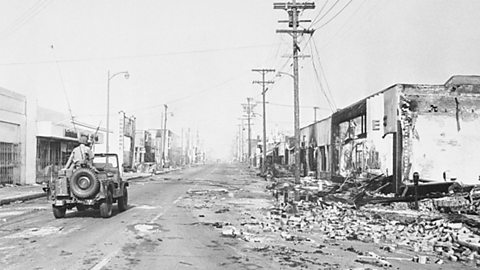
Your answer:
<point x="263" y="70"/>
<point x="263" y="82"/>
<point x="299" y="31"/>
<point x="290" y="5"/>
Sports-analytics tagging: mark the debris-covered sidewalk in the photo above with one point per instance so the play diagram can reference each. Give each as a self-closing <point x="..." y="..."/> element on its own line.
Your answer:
<point x="319" y="233"/>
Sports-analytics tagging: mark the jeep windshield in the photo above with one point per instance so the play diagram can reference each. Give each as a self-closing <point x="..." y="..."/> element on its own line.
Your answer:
<point x="101" y="162"/>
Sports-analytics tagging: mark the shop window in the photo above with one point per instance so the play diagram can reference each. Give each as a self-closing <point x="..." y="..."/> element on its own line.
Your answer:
<point x="9" y="163"/>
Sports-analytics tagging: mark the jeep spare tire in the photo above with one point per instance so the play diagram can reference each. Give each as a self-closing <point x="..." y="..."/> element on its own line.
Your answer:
<point x="84" y="183"/>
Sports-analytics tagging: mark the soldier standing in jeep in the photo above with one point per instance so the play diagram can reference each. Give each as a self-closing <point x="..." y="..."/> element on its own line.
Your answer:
<point x="81" y="154"/>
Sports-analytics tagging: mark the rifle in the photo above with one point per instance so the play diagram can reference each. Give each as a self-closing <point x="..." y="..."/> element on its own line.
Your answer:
<point x="95" y="136"/>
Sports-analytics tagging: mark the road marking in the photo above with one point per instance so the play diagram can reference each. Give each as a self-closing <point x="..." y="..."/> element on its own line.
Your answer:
<point x="104" y="262"/>
<point x="156" y="217"/>
<point x="178" y="199"/>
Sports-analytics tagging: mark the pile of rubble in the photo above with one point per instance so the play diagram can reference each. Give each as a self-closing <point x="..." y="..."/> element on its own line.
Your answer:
<point x="429" y="234"/>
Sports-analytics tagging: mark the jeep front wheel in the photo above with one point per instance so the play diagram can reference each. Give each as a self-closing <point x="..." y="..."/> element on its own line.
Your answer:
<point x="123" y="201"/>
<point x="106" y="205"/>
<point x="59" y="211"/>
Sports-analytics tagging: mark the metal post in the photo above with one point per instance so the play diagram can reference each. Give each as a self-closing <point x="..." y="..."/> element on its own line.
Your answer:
<point x="109" y="77"/>
<point x="416" y="177"/>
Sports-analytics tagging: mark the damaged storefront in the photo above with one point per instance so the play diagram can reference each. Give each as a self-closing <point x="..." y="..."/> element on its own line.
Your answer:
<point x="316" y="148"/>
<point x="428" y="129"/>
<point x="360" y="147"/>
<point x="55" y="142"/>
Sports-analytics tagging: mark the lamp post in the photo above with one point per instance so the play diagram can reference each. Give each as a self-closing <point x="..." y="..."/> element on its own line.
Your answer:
<point x="280" y="73"/>
<point x="108" y="101"/>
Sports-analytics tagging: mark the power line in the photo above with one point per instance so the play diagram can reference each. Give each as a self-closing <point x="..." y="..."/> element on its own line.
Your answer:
<point x="138" y="56"/>
<point x="326" y="13"/>
<point x="323" y="73"/>
<point x="319" y="13"/>
<point x="320" y="83"/>
<point x="347" y="20"/>
<point x="215" y="87"/>
<point x="64" y="89"/>
<point x="204" y="91"/>
<point x="291" y="106"/>
<point x="331" y="19"/>
<point x="368" y="16"/>
<point x="24" y="18"/>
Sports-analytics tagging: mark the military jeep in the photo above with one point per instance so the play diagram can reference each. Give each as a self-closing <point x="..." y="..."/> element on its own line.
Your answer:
<point x="97" y="186"/>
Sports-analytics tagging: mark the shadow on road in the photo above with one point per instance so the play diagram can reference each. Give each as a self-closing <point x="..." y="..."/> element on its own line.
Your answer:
<point x="94" y="213"/>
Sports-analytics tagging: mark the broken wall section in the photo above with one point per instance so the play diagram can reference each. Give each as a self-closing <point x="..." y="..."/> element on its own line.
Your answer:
<point x="441" y="132"/>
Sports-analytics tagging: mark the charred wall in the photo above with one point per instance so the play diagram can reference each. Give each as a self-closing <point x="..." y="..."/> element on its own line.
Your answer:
<point x="441" y="132"/>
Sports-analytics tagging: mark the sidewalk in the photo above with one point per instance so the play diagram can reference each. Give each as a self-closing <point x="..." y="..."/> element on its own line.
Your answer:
<point x="11" y="193"/>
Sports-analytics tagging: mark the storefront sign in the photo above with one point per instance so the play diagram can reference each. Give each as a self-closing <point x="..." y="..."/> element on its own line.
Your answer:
<point x="70" y="133"/>
<point x="129" y="127"/>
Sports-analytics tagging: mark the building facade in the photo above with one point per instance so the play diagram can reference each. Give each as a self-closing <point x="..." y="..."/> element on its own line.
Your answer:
<point x="13" y="129"/>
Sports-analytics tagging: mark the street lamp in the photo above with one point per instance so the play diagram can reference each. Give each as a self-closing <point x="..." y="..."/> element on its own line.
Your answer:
<point x="280" y="73"/>
<point x="108" y="101"/>
<point x="296" y="124"/>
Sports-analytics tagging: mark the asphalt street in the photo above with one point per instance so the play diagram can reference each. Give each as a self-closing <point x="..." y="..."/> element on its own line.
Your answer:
<point x="216" y="216"/>
<point x="154" y="233"/>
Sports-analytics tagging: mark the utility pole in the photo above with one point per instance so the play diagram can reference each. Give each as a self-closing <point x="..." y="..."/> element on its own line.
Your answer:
<point x="248" y="109"/>
<point x="164" y="135"/>
<point x="239" y="146"/>
<point x="182" y="156"/>
<point x="293" y="9"/>
<point x="242" y="139"/>
<point x="264" y="91"/>
<point x="315" y="114"/>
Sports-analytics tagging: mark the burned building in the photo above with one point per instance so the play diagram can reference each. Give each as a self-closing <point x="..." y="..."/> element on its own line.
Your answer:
<point x="430" y="129"/>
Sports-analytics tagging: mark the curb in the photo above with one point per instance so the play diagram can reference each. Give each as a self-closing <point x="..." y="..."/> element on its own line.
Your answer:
<point x="23" y="198"/>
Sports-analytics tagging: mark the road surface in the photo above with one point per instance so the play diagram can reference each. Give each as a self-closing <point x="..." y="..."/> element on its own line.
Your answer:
<point x="154" y="233"/>
<point x="216" y="216"/>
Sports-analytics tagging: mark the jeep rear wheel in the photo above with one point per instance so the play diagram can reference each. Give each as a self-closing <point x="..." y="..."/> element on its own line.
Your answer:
<point x="123" y="201"/>
<point x="106" y="205"/>
<point x="84" y="183"/>
<point x="59" y="211"/>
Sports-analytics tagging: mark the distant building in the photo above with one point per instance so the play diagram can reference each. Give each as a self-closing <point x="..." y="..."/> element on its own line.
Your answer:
<point x="173" y="153"/>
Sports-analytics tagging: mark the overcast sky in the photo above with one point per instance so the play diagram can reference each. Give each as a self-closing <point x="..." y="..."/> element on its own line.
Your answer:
<point x="197" y="56"/>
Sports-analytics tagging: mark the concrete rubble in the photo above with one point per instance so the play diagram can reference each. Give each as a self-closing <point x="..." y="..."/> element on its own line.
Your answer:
<point x="316" y="224"/>
<point x="392" y="225"/>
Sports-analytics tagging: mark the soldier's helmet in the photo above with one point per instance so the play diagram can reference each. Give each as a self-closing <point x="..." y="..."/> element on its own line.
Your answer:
<point x="82" y="140"/>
